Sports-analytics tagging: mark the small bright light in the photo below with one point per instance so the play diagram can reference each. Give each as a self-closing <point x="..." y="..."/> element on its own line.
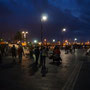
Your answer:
<point x="26" y="32"/>
<point x="45" y="40"/>
<point x="53" y="40"/>
<point x="75" y="39"/>
<point x="23" y="32"/>
<point x="66" y="41"/>
<point x="39" y="43"/>
<point x="64" y="30"/>
<point x="35" y="41"/>
<point x="44" y="18"/>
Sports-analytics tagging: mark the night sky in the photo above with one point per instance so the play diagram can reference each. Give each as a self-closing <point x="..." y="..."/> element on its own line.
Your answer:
<point x="74" y="15"/>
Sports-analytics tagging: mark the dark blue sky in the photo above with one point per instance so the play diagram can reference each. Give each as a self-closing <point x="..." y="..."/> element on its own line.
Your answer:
<point x="25" y="14"/>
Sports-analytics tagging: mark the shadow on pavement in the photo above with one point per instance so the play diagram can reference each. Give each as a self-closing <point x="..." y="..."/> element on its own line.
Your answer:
<point x="44" y="71"/>
<point x="55" y="63"/>
<point x="7" y="66"/>
<point x="33" y="69"/>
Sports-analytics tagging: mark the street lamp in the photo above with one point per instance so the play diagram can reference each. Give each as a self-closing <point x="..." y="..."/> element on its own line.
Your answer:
<point x="64" y="30"/>
<point x="35" y="41"/>
<point x="43" y="19"/>
<point x="24" y="33"/>
<point x="75" y="39"/>
<point x="54" y="40"/>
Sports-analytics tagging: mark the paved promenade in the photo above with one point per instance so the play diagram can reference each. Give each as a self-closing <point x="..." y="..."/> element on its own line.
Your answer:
<point x="26" y="76"/>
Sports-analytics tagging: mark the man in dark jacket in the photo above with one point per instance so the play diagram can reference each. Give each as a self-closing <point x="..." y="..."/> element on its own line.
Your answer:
<point x="20" y="53"/>
<point x="14" y="52"/>
<point x="37" y="52"/>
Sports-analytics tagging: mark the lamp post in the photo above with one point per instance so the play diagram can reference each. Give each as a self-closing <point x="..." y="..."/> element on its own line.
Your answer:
<point x="24" y="33"/>
<point x="75" y="40"/>
<point x="54" y="40"/>
<point x="43" y="19"/>
<point x="35" y="41"/>
<point x="63" y="31"/>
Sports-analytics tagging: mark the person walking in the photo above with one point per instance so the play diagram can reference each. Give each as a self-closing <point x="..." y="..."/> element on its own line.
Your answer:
<point x="37" y="53"/>
<point x="20" y="53"/>
<point x="14" y="53"/>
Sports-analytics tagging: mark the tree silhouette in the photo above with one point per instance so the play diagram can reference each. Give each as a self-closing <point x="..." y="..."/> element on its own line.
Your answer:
<point x="18" y="36"/>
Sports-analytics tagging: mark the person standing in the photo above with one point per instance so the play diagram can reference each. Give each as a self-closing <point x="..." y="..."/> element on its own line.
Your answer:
<point x="0" y="56"/>
<point x="56" y="54"/>
<point x="31" y="52"/>
<point x="74" y="48"/>
<point x="13" y="52"/>
<point x="37" y="52"/>
<point x="44" y="70"/>
<point x="44" y="54"/>
<point x="47" y="49"/>
<point x="40" y="56"/>
<point x="20" y="53"/>
<point x="2" y="50"/>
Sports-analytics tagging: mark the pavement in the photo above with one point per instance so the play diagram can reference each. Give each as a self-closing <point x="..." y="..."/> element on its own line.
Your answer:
<point x="72" y="74"/>
<point x="83" y="80"/>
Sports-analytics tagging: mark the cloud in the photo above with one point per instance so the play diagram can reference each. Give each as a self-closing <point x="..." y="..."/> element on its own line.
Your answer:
<point x="72" y="14"/>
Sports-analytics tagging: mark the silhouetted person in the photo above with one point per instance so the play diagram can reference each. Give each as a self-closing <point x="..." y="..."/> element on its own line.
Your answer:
<point x="47" y="49"/>
<point x="14" y="52"/>
<point x="41" y="57"/>
<point x="0" y="56"/>
<point x="56" y="54"/>
<point x="66" y="49"/>
<point x="37" y="52"/>
<point x="44" y="54"/>
<point x="44" y="70"/>
<point x="71" y="49"/>
<point x="74" y="48"/>
<point x="20" y="53"/>
<point x="31" y="52"/>
<point x="2" y="50"/>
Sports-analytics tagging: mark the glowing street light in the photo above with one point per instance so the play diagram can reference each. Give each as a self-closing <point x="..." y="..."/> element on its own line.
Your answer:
<point x="45" y="40"/>
<point x="54" y="40"/>
<point x="64" y="30"/>
<point x="24" y="33"/>
<point x="35" y="41"/>
<point x="44" y="18"/>
<point x="75" y="39"/>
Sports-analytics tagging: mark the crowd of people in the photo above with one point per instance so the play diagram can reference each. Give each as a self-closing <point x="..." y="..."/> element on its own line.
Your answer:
<point x="40" y="52"/>
<point x="5" y="50"/>
<point x="70" y="49"/>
